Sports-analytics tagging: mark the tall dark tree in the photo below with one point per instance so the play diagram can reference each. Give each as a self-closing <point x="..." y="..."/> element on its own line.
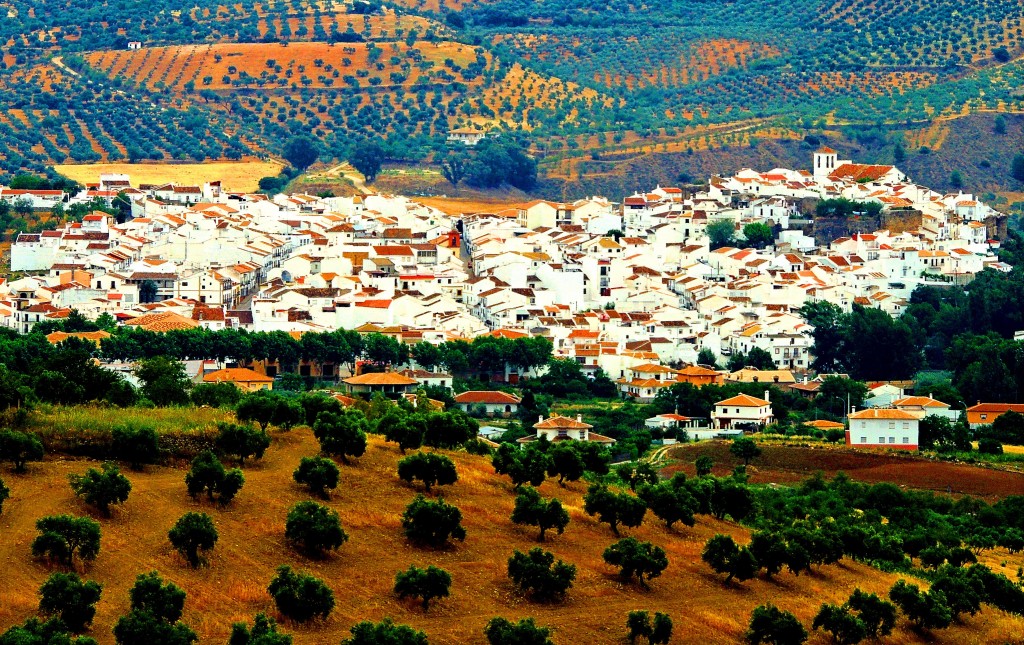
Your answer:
<point x="301" y="152"/>
<point x="367" y="157"/>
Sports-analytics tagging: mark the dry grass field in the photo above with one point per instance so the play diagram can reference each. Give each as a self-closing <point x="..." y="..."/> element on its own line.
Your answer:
<point x="370" y="501"/>
<point x="242" y="176"/>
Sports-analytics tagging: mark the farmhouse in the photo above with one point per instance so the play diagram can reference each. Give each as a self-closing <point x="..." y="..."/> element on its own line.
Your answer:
<point x="985" y="413"/>
<point x="882" y="428"/>
<point x="559" y="428"/>
<point x="465" y="136"/>
<point x="491" y="402"/>
<point x="387" y="383"/>
<point x="244" y="379"/>
<point x="742" y="411"/>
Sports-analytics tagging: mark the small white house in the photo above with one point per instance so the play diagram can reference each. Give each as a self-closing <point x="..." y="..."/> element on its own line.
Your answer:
<point x="493" y="403"/>
<point x="559" y="428"/>
<point x="742" y="410"/>
<point x="882" y="428"/>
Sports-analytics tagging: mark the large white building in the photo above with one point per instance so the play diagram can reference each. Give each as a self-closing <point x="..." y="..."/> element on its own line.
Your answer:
<point x="882" y="428"/>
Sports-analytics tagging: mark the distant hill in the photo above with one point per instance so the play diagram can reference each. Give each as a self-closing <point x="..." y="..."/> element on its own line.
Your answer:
<point x="590" y="83"/>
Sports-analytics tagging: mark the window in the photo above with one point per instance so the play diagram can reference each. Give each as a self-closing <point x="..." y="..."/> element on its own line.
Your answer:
<point x="863" y="439"/>
<point x="892" y="425"/>
<point x="906" y="439"/>
<point x="906" y="425"/>
<point x="984" y="416"/>
<point x="863" y="424"/>
<point x="892" y="439"/>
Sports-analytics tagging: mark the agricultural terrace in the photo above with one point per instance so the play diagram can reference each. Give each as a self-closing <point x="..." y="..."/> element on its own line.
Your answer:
<point x="650" y="60"/>
<point x="370" y="499"/>
<point x="522" y="96"/>
<point x="280" y="66"/>
<point x="240" y="176"/>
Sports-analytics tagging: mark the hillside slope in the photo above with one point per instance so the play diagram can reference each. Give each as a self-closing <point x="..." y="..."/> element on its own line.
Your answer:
<point x="370" y="500"/>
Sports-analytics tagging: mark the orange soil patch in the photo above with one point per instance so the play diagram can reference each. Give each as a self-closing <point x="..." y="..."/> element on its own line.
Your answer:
<point x="932" y="136"/>
<point x="370" y="500"/>
<point x="275" y="66"/>
<point x="462" y="205"/>
<point x="241" y="176"/>
<point x="790" y="463"/>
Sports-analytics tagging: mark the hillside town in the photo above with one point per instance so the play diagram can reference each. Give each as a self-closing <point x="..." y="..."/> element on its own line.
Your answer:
<point x="633" y="289"/>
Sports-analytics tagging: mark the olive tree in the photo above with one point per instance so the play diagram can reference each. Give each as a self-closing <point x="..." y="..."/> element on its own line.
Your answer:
<point x="342" y="435"/>
<point x="209" y="475"/>
<point x="241" y="441"/>
<point x="432" y="523"/>
<point x="20" y="448"/>
<point x="62" y="537"/>
<point x="314" y="528"/>
<point x="634" y="557"/>
<point x="533" y="510"/>
<point x="319" y="474"/>
<point x="502" y="631"/>
<point x="300" y="596"/>
<point x="154" y="615"/>
<point x="539" y="576"/>
<point x="386" y="632"/>
<point x="71" y="599"/>
<point x="613" y="508"/>
<point x="101" y="488"/>
<point x="430" y="468"/>
<point x="192" y="533"/>
<point x="263" y="632"/>
<point x="425" y="584"/>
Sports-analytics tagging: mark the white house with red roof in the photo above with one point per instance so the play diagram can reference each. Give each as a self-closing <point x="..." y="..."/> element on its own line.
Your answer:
<point x="487" y="402"/>
<point x="882" y="428"/>
<point x="742" y="411"/>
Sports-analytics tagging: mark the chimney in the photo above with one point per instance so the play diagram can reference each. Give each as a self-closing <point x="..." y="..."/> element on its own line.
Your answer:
<point x="579" y="418"/>
<point x="540" y="418"/>
<point x="766" y="395"/>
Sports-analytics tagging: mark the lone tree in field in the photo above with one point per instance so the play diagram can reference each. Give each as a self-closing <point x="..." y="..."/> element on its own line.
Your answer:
<point x="242" y="441"/>
<point x="342" y="434"/>
<point x="367" y="157"/>
<point x="386" y="632"/>
<point x="101" y="488"/>
<point x="633" y="557"/>
<point x="768" y="624"/>
<point x="209" y="475"/>
<point x="425" y="584"/>
<point x="640" y="625"/>
<point x="263" y="632"/>
<point x="533" y="510"/>
<point x="723" y="555"/>
<point x="502" y="631"/>
<point x="192" y="533"/>
<point x="746" y="449"/>
<point x="314" y="529"/>
<point x="71" y="599"/>
<point x="613" y="508"/>
<point x="319" y="474"/>
<point x="5" y="494"/>
<point x="19" y="448"/>
<point x="430" y="468"/>
<point x="300" y="596"/>
<point x="301" y="152"/>
<point x="537" y="575"/>
<point x="155" y="614"/>
<point x="137" y="446"/>
<point x="432" y="523"/>
<point x="62" y="537"/>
